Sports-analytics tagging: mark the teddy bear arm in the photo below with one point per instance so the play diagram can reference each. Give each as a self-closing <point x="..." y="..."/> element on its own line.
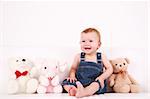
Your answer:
<point x="43" y="81"/>
<point x="34" y="72"/>
<point x="55" y="80"/>
<point x="112" y="77"/>
<point x="132" y="79"/>
<point x="112" y="80"/>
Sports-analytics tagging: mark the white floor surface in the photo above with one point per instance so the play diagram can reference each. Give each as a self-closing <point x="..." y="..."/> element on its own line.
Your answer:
<point x="65" y="96"/>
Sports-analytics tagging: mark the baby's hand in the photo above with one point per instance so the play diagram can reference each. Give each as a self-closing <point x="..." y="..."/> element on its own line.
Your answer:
<point x="101" y="81"/>
<point x="71" y="79"/>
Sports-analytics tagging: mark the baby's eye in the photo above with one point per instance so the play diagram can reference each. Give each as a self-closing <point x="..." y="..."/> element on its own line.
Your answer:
<point x="91" y="40"/>
<point x="116" y="64"/>
<point x="123" y="63"/>
<point x="83" y="41"/>
<point x="45" y="67"/>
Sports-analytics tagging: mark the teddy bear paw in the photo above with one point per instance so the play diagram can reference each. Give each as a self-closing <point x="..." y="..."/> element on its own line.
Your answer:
<point x="57" y="89"/>
<point x="111" y="83"/>
<point x="32" y="86"/>
<point x="41" y="90"/>
<point x="12" y="87"/>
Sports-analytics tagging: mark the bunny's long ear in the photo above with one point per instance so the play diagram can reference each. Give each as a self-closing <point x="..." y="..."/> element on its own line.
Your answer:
<point x="127" y="60"/>
<point x="63" y="67"/>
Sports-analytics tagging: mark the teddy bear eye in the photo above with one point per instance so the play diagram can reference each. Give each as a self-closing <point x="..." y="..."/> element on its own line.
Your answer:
<point x="123" y="63"/>
<point x="23" y="60"/>
<point x="45" y="67"/>
<point x="116" y="64"/>
<point x="17" y="60"/>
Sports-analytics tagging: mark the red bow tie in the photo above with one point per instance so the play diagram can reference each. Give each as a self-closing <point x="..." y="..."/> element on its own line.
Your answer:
<point x="18" y="73"/>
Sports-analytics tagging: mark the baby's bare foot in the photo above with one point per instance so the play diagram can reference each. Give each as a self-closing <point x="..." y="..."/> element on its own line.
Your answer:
<point x="80" y="90"/>
<point x="72" y="91"/>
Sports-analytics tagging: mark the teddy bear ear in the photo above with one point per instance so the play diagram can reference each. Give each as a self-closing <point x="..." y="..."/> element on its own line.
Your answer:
<point x="110" y="61"/>
<point x="127" y="60"/>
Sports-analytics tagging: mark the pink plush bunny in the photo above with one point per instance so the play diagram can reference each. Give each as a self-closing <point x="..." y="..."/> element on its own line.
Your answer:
<point x="49" y="79"/>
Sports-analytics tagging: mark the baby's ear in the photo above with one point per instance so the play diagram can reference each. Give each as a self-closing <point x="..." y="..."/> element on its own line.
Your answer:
<point x="127" y="60"/>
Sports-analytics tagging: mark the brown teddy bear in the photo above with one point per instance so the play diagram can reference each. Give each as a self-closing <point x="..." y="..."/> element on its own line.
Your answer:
<point x="120" y="80"/>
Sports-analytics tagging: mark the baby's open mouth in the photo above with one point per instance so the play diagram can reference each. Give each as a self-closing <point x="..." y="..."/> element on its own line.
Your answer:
<point x="87" y="48"/>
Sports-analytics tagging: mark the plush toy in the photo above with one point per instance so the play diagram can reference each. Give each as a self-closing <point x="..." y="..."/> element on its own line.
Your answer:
<point x="62" y="70"/>
<point x="21" y="81"/>
<point x="50" y="77"/>
<point x="120" y="80"/>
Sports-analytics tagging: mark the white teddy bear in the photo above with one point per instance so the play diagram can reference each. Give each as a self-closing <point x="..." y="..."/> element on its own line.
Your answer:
<point x="21" y="76"/>
<point x="49" y="78"/>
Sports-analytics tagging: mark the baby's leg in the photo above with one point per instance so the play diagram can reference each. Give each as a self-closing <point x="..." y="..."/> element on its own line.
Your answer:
<point x="70" y="89"/>
<point x="89" y="90"/>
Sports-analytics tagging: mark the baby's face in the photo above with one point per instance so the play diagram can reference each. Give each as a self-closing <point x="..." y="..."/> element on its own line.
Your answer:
<point x="89" y="42"/>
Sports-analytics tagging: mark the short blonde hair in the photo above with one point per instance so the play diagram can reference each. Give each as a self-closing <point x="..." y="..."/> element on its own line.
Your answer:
<point x="93" y="30"/>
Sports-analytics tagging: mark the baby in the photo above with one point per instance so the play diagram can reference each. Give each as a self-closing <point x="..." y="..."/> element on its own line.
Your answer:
<point x="87" y="76"/>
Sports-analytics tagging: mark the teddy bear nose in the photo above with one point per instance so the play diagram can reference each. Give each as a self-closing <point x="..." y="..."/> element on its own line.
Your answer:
<point x="23" y="60"/>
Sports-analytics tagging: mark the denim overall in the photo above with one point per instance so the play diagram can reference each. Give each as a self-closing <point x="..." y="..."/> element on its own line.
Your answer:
<point x="87" y="72"/>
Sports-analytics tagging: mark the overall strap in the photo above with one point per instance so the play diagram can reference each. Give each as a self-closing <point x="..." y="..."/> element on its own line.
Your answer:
<point x="99" y="59"/>
<point x="82" y="56"/>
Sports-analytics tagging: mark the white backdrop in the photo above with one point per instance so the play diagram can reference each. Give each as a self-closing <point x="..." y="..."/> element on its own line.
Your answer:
<point x="52" y="29"/>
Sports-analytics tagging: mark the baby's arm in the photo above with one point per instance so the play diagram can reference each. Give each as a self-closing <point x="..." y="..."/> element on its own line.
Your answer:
<point x="73" y="69"/>
<point x="108" y="71"/>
